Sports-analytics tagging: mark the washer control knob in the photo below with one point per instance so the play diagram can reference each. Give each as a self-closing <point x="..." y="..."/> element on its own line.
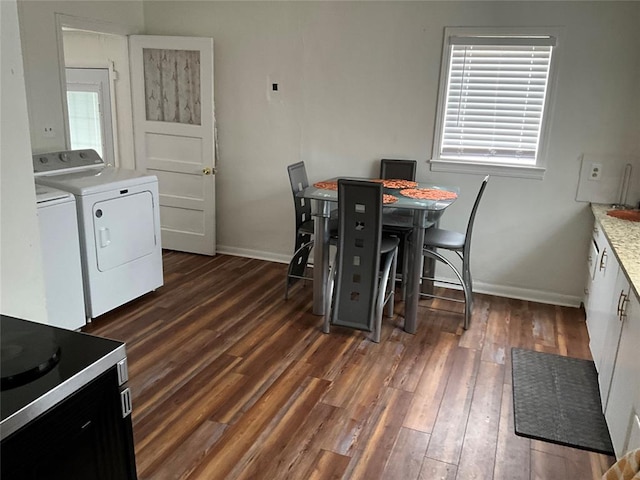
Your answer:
<point x="44" y="160"/>
<point x="64" y="157"/>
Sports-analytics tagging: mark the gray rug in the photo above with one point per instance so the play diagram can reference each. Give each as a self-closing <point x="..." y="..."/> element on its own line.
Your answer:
<point x="556" y="399"/>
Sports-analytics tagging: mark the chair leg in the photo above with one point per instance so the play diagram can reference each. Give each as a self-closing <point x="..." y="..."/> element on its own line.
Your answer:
<point x="468" y="299"/>
<point x="297" y="266"/>
<point x="388" y="274"/>
<point x="392" y="280"/>
<point x="326" y="325"/>
<point x="462" y="279"/>
<point x="468" y="286"/>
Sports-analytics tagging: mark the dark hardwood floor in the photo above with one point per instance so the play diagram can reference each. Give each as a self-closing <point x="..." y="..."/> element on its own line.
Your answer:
<point x="230" y="381"/>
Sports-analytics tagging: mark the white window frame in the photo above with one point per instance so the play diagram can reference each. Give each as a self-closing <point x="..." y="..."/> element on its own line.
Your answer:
<point x="96" y="80"/>
<point x="536" y="171"/>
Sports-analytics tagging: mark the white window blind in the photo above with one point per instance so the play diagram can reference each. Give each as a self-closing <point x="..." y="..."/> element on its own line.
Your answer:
<point x="495" y="99"/>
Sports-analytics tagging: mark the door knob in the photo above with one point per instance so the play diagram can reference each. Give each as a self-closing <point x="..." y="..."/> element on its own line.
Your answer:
<point x="206" y="171"/>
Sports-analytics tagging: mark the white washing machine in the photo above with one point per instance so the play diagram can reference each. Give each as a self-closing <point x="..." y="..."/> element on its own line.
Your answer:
<point x="119" y="222"/>
<point x="60" y="258"/>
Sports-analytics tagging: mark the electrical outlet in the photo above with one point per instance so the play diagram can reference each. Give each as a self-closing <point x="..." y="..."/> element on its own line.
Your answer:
<point x="48" y="132"/>
<point x="595" y="172"/>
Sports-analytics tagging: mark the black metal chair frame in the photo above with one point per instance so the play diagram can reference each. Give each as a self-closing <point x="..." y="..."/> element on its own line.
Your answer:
<point x="436" y="238"/>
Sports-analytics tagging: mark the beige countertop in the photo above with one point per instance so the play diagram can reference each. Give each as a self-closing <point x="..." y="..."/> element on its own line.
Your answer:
<point x="624" y="237"/>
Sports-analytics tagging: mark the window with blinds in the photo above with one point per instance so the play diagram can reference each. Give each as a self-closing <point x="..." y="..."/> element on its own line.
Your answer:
<point x="493" y="107"/>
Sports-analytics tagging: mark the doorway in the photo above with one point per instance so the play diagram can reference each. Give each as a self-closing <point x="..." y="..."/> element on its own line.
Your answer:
<point x="98" y="92"/>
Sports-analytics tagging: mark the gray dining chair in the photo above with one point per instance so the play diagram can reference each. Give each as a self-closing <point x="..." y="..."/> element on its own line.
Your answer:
<point x="395" y="221"/>
<point x="460" y="243"/>
<point x="398" y="169"/>
<point x="299" y="264"/>
<point x="362" y="279"/>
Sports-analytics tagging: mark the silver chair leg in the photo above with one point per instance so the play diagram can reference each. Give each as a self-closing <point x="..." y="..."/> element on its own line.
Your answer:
<point x="331" y="279"/>
<point x="462" y="279"/>
<point x="390" y="259"/>
<point x="392" y="280"/>
<point x="468" y="285"/>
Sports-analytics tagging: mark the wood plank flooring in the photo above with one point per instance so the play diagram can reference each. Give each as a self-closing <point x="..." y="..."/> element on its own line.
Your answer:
<point x="230" y="381"/>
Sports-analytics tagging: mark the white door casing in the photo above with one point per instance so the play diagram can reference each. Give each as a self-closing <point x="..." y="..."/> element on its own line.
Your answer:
<point x="173" y="117"/>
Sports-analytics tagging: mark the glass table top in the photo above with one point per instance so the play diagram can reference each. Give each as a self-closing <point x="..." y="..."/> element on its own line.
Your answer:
<point x="403" y="201"/>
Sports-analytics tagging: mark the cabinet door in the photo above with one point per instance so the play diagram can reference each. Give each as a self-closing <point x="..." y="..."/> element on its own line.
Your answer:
<point x="624" y="394"/>
<point x="614" y="322"/>
<point x="634" y="436"/>
<point x="601" y="300"/>
<point x="592" y="259"/>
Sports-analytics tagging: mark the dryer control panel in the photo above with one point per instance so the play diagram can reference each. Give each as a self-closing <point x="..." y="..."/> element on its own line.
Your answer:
<point x="67" y="160"/>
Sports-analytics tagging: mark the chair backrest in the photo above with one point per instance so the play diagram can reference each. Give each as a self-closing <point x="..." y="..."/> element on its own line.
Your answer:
<point x="472" y="217"/>
<point x="358" y="255"/>
<point x="299" y="181"/>
<point x="398" y="169"/>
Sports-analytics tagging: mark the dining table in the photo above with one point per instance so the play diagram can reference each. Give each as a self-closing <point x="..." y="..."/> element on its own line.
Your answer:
<point x="418" y="205"/>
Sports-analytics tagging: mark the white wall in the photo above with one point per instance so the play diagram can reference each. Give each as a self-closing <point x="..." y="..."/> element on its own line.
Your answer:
<point x="359" y="81"/>
<point x="21" y="273"/>
<point x="96" y="50"/>
<point x="39" y="36"/>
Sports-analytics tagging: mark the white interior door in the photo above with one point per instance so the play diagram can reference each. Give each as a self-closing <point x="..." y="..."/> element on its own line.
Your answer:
<point x="173" y="116"/>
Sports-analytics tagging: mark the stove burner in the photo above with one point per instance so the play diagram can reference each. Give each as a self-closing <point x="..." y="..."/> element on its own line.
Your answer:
<point x="26" y="358"/>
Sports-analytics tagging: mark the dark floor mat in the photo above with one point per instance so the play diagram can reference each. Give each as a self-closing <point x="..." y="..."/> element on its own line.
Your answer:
<point x="556" y="399"/>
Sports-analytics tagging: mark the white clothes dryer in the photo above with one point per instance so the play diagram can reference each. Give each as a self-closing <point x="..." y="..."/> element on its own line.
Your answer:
<point x="119" y="223"/>
<point x="61" y="263"/>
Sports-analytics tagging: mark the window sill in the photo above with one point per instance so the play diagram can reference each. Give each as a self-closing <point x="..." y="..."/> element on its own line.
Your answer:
<point x="438" y="165"/>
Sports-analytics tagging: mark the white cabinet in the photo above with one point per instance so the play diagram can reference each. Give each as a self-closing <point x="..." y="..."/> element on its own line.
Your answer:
<point x="613" y="322"/>
<point x="601" y="289"/>
<point x="623" y="406"/>
<point x="634" y="435"/>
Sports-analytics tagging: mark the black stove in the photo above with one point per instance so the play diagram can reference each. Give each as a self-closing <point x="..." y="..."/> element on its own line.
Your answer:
<point x="66" y="407"/>
<point x="41" y="365"/>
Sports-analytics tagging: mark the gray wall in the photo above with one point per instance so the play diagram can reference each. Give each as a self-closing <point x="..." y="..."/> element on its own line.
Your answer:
<point x="359" y="81"/>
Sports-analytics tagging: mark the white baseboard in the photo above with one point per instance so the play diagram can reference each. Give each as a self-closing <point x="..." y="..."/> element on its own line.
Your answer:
<point x="506" y="291"/>
<point x="530" y="295"/>
<point x="257" y="254"/>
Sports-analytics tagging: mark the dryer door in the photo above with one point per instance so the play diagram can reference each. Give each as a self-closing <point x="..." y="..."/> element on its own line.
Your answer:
<point x="124" y="229"/>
